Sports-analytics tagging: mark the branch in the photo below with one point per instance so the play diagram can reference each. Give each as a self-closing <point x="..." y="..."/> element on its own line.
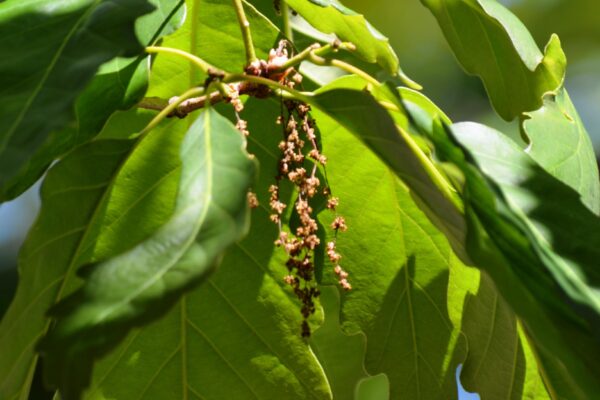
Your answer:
<point x="169" y="108"/>
<point x="240" y="83"/>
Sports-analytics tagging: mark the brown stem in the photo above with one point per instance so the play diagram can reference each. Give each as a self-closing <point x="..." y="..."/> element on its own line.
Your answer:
<point x="196" y="103"/>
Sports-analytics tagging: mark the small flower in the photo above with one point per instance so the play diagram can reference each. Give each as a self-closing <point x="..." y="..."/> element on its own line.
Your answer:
<point x="252" y="200"/>
<point x="242" y="126"/>
<point x="332" y="203"/>
<point x="297" y="78"/>
<point x="345" y="285"/>
<point x="312" y="241"/>
<point x="339" y="224"/>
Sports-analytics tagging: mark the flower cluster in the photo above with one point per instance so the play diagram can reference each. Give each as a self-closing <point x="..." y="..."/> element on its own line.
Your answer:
<point x="273" y="68"/>
<point x="298" y="165"/>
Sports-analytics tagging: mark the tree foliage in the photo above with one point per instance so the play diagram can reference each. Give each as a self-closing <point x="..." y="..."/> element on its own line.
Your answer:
<point x="385" y="247"/>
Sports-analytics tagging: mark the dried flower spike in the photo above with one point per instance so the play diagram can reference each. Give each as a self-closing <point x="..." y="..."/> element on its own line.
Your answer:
<point x="339" y="223"/>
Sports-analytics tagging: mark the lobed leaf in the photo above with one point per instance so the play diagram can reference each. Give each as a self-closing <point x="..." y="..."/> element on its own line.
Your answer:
<point x="521" y="227"/>
<point x="414" y="300"/>
<point x="490" y="42"/>
<point x="559" y="142"/>
<point x="53" y="50"/>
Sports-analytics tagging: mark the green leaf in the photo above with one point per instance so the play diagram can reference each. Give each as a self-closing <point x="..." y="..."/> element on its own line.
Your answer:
<point x="77" y="200"/>
<point x="342" y="356"/>
<point x="140" y="284"/>
<point x="559" y="142"/>
<point x="52" y="50"/>
<point x="399" y="267"/>
<point x="237" y="335"/>
<point x="500" y="363"/>
<point x="521" y="231"/>
<point x="373" y="388"/>
<point x="118" y="84"/>
<point x="375" y="241"/>
<point x="361" y="113"/>
<point x="330" y="16"/>
<point x="490" y="42"/>
<point x="221" y="45"/>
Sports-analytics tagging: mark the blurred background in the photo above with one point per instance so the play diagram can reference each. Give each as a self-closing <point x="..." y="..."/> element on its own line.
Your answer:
<point x="426" y="58"/>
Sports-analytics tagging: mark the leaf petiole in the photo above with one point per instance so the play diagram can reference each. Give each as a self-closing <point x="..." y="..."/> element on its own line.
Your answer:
<point x="246" y="33"/>
<point x="317" y="50"/>
<point x="197" y="61"/>
<point x="287" y="26"/>
<point x="316" y="59"/>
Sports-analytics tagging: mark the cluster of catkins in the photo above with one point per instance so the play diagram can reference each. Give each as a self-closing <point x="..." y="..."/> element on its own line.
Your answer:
<point x="299" y="130"/>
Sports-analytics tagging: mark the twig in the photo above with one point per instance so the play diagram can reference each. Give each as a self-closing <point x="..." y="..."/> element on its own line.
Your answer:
<point x="195" y="103"/>
<point x="287" y="26"/>
<point x="243" y="84"/>
<point x="170" y="108"/>
<point x="200" y="63"/>
<point x="194" y="38"/>
<point x="344" y="66"/>
<point x="246" y="33"/>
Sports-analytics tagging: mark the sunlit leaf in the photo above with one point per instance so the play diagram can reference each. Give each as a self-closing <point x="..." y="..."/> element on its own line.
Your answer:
<point x="221" y="45"/>
<point x="489" y="41"/>
<point x="237" y="335"/>
<point x="361" y="114"/>
<point x="399" y="267"/>
<point x="140" y="284"/>
<point x="341" y="356"/>
<point x="521" y="230"/>
<point x="561" y="145"/>
<point x="330" y="16"/>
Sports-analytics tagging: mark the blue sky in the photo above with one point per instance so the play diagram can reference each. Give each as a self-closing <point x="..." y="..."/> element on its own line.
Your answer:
<point x="462" y="393"/>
